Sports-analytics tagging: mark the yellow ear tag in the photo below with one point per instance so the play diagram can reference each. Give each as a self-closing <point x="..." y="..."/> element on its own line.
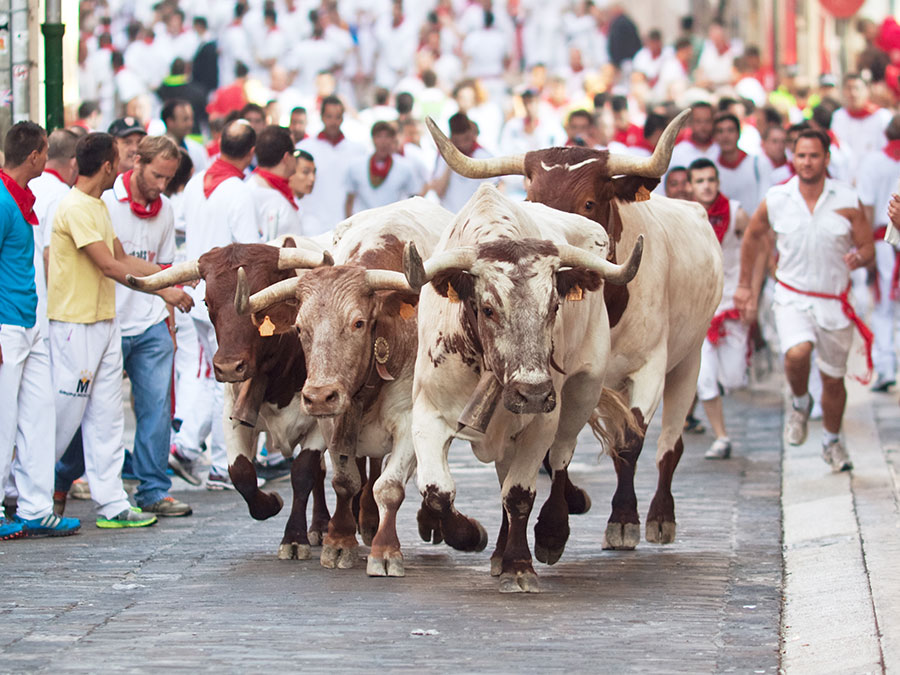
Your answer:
<point x="452" y="295"/>
<point x="642" y="195"/>
<point x="575" y="294"/>
<point x="407" y="311"/>
<point x="267" y="328"/>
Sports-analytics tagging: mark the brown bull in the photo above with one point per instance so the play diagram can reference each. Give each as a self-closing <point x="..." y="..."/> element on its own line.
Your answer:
<point x="659" y="320"/>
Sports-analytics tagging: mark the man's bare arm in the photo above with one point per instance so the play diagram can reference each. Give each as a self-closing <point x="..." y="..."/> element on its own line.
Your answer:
<point x="863" y="239"/>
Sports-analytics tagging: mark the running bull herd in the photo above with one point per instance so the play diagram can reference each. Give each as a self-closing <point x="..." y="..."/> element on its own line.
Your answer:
<point x="586" y="304"/>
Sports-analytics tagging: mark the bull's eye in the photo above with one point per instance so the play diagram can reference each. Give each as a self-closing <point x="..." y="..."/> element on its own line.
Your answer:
<point x="359" y="323"/>
<point x="589" y="205"/>
<point x="487" y="311"/>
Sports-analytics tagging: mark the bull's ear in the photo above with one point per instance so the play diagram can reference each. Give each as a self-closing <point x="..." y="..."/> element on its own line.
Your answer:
<point x="397" y="304"/>
<point x="289" y="242"/>
<point x="570" y="281"/>
<point x="454" y="284"/>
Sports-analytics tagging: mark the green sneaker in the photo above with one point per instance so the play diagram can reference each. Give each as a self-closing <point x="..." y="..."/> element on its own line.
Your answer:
<point x="130" y="517"/>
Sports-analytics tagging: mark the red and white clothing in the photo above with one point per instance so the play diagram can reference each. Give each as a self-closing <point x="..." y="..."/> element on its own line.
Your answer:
<point x="741" y="180"/>
<point x="772" y="174"/>
<point x="48" y="189"/>
<point x="326" y="202"/>
<point x="687" y="151"/>
<point x="859" y="133"/>
<point x="277" y="210"/>
<point x="811" y="248"/>
<point x="716" y="64"/>
<point x="151" y="239"/>
<point x="651" y="65"/>
<point x="400" y="182"/>
<point x="878" y="178"/>
<point x="723" y="358"/>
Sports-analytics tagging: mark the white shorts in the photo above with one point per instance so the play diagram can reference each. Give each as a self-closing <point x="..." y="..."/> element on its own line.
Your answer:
<point x="796" y="326"/>
<point x="724" y="363"/>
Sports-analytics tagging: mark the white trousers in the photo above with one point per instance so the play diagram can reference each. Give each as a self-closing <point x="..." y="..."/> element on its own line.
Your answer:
<point x="26" y="419"/>
<point x="205" y="414"/>
<point x="884" y="313"/>
<point x="187" y="359"/>
<point x="87" y="384"/>
<point x="724" y="363"/>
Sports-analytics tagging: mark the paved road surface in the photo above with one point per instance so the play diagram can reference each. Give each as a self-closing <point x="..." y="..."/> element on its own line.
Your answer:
<point x="207" y="592"/>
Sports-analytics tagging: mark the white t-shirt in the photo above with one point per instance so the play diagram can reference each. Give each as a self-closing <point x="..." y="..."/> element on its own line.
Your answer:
<point x="811" y="247"/>
<point x="460" y="189"/>
<point x="742" y="182"/>
<point x="686" y="152"/>
<point x="227" y="217"/>
<point x="48" y="192"/>
<point x="731" y="259"/>
<point x="150" y="239"/>
<point x="326" y="201"/>
<point x="859" y="135"/>
<point x="773" y="175"/>
<point x="274" y="213"/>
<point x="878" y="177"/>
<point x="400" y="183"/>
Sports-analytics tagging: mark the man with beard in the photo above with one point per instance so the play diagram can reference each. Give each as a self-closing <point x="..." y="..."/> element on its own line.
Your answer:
<point x="821" y="234"/>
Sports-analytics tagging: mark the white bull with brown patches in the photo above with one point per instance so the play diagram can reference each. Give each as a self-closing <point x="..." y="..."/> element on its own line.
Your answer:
<point x="357" y="324"/>
<point x="513" y="292"/>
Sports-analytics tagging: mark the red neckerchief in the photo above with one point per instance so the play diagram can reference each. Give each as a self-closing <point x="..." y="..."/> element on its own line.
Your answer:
<point x="892" y="150"/>
<point x="719" y="213"/>
<point x="733" y="165"/>
<point x="141" y="211"/>
<point x="334" y="142"/>
<point x="23" y="196"/>
<point x="779" y="164"/>
<point x="475" y="146"/>
<point x="722" y="49"/>
<point x="643" y="143"/>
<point x="280" y="184"/>
<point x="863" y="112"/>
<point x="631" y="136"/>
<point x="833" y="139"/>
<point x="217" y="172"/>
<point x="397" y="24"/>
<point x="378" y="171"/>
<point x="864" y="331"/>
<point x="54" y="172"/>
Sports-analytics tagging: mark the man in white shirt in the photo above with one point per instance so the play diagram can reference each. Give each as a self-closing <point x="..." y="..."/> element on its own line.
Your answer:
<point x="383" y="178"/>
<point x="723" y="358"/>
<point x="219" y="210"/>
<point x="773" y="161"/>
<point x="333" y="154"/>
<point x="397" y="38"/>
<point x="452" y="189"/>
<point x="178" y="116"/>
<point x="879" y="174"/>
<point x="650" y="59"/>
<point x="716" y="65"/>
<point x="143" y="221"/>
<point x="821" y="234"/>
<point x="302" y="183"/>
<point x="49" y="188"/>
<point x="298" y="124"/>
<point x="128" y="132"/>
<point x="700" y="144"/>
<point x="277" y="211"/>
<point x="739" y="173"/>
<point x="858" y="126"/>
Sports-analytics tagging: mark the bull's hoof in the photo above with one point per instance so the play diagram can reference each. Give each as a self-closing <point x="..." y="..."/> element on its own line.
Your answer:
<point x="466" y="534"/>
<point x="367" y="532"/>
<point x="264" y="505"/>
<point x="340" y="558"/>
<point x="548" y="555"/>
<point x="622" y="536"/>
<point x="519" y="582"/>
<point x="294" y="551"/>
<point x="578" y="501"/>
<point x="316" y="536"/>
<point x="496" y="565"/>
<point x="660" y="532"/>
<point x="429" y="527"/>
<point x="391" y="565"/>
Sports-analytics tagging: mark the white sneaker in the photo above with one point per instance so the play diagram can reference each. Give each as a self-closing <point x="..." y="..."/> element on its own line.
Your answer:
<point x="795" y="427"/>
<point x="720" y="449"/>
<point x="835" y="455"/>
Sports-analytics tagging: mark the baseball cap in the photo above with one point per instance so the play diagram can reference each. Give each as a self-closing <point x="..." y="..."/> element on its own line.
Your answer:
<point x="827" y="80"/>
<point x="125" y="126"/>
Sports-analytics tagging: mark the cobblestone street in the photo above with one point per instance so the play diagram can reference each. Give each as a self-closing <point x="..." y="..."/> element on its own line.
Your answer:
<point x="207" y="592"/>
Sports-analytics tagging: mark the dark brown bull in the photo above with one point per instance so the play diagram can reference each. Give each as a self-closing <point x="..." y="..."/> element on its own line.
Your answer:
<point x="656" y="333"/>
<point x="265" y="375"/>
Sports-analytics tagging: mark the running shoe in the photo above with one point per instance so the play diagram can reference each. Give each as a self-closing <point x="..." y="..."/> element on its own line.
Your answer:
<point x="720" y="449"/>
<point x="130" y="517"/>
<point x="10" y="529"/>
<point x="49" y="526"/>
<point x="168" y="507"/>
<point x="796" y="426"/>
<point x="835" y="455"/>
<point x="183" y="467"/>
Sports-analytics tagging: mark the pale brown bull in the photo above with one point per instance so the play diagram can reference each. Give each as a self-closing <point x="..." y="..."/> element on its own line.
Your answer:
<point x="659" y="321"/>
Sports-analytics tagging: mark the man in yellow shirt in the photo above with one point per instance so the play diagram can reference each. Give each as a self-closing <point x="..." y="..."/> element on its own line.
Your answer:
<point x="86" y="259"/>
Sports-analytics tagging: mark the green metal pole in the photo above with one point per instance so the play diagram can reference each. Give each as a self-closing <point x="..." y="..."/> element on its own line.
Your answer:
<point x="53" y="69"/>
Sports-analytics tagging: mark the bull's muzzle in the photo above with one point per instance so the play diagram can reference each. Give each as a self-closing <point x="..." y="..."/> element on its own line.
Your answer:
<point x="231" y="370"/>
<point x="525" y="398"/>
<point x="326" y="400"/>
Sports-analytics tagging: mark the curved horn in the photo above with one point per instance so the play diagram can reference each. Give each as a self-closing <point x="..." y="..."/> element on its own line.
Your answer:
<point x="176" y="274"/>
<point x="285" y="289"/>
<point x="241" y="292"/>
<point x="572" y="256"/>
<point x="413" y="267"/>
<point x="386" y="280"/>
<point x="296" y="258"/>
<point x="655" y="165"/>
<point x="474" y="168"/>
<point x="458" y="258"/>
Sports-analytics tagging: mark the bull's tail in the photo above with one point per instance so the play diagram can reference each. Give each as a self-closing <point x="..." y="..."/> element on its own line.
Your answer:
<point x="611" y="419"/>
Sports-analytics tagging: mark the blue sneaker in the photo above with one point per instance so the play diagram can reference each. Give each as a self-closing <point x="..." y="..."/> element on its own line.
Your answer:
<point x="10" y="529"/>
<point x="49" y="526"/>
